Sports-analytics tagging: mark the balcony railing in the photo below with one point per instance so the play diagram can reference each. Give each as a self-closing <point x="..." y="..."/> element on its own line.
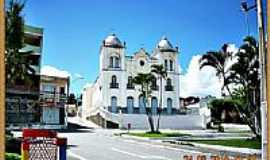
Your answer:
<point x="168" y="88"/>
<point x="47" y="97"/>
<point x="130" y="86"/>
<point x="136" y="110"/>
<point x="114" y="110"/>
<point x="114" y="85"/>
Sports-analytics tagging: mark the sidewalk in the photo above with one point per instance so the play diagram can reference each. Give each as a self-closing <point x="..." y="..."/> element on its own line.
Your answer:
<point x="85" y="123"/>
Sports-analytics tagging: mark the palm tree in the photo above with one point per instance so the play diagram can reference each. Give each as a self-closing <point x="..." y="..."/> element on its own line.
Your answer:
<point x="144" y="80"/>
<point x="161" y="73"/>
<point x="17" y="66"/>
<point x="218" y="60"/>
<point x="244" y="73"/>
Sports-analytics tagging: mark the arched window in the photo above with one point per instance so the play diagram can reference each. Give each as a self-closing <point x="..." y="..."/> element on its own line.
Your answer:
<point x="166" y="64"/>
<point x="117" y="63"/>
<point x="169" y="82"/>
<point x="130" y="83"/>
<point x="171" y="65"/>
<point x="114" y="80"/>
<point x="114" y="62"/>
<point x="130" y="104"/>
<point x="114" y="83"/>
<point x="111" y="62"/>
<point x="154" y="84"/>
<point x="141" y="105"/>
<point x="154" y="105"/>
<point x="114" y="104"/>
<point x="169" y="106"/>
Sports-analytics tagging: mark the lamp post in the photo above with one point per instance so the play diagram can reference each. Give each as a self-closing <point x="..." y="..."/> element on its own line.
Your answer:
<point x="262" y="58"/>
<point x="262" y="73"/>
<point x="78" y="77"/>
<point x="245" y="8"/>
<point x="2" y="80"/>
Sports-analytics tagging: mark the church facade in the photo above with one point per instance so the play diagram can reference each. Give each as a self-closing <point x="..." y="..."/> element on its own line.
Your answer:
<point x="114" y="91"/>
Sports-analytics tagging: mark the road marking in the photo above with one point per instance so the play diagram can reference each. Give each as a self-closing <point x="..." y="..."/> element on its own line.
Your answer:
<point x="76" y="155"/>
<point x="140" y="156"/>
<point x="161" y="146"/>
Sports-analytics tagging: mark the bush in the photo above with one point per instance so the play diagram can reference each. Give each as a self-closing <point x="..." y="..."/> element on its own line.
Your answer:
<point x="226" y="107"/>
<point x="220" y="128"/>
<point x="12" y="156"/>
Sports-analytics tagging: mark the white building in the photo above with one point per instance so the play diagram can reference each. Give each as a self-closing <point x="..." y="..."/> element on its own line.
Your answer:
<point x="113" y="96"/>
<point x="54" y="91"/>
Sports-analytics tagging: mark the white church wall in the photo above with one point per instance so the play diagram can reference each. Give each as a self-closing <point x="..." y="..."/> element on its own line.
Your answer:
<point x="139" y="121"/>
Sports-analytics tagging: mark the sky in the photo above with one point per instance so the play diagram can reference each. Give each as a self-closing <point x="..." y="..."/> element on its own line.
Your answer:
<point x="74" y="30"/>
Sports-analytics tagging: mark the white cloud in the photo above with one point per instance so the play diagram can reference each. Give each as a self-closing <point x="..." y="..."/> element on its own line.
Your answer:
<point x="79" y="76"/>
<point x="196" y="82"/>
<point x="53" y="71"/>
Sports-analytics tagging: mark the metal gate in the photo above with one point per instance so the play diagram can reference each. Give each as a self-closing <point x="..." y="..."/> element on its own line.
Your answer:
<point x="39" y="144"/>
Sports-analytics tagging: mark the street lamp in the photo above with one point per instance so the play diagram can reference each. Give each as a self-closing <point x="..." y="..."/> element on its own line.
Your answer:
<point x="245" y="8"/>
<point x="77" y="77"/>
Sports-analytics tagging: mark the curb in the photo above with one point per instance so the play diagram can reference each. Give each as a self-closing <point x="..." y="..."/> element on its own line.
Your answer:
<point x="219" y="148"/>
<point x="216" y="148"/>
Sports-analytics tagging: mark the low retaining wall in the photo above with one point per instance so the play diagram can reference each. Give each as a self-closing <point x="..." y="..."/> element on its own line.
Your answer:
<point x="166" y="122"/>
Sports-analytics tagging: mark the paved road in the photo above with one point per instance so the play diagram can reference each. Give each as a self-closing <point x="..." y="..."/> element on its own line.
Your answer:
<point x="90" y="143"/>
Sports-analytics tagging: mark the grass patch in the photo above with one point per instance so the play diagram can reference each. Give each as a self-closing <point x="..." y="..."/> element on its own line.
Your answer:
<point x="240" y="143"/>
<point x="158" y="135"/>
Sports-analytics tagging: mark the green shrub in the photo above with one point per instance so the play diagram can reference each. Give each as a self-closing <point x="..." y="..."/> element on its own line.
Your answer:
<point x="12" y="156"/>
<point x="220" y="128"/>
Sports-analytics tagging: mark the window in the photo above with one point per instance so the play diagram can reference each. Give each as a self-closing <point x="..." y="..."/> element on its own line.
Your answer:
<point x="169" y="86"/>
<point x="111" y="62"/>
<point x="114" y="83"/>
<point x="154" y="84"/>
<point x="114" y="62"/>
<point x="130" y="103"/>
<point x="113" y="79"/>
<point x="142" y="63"/>
<point x="166" y="64"/>
<point x="171" y="65"/>
<point x="130" y="83"/>
<point x="49" y="88"/>
<point x="62" y="90"/>
<point x="169" y="82"/>
<point x="117" y="63"/>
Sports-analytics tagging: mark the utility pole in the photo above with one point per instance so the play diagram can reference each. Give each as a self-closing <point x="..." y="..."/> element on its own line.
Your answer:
<point x="2" y="80"/>
<point x="268" y="72"/>
<point x="262" y="59"/>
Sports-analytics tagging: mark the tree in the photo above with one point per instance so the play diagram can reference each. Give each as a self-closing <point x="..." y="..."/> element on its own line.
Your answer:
<point x="161" y="74"/>
<point x="72" y="99"/>
<point x="17" y="66"/>
<point x="144" y="80"/>
<point x="244" y="74"/>
<point x="218" y="60"/>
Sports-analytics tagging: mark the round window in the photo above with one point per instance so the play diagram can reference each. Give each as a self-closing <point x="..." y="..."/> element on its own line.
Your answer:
<point x="142" y="63"/>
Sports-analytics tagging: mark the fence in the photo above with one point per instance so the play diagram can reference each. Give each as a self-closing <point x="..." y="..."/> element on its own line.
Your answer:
<point x="39" y="144"/>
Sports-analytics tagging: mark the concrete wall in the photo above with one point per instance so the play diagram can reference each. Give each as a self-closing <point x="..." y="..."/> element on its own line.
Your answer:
<point x="139" y="121"/>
